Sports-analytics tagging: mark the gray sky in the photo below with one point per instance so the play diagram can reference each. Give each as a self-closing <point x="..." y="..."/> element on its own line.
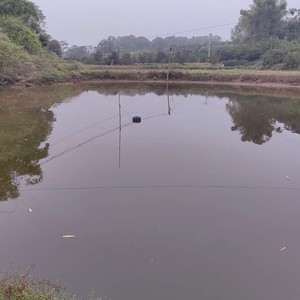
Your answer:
<point x="86" y="22"/>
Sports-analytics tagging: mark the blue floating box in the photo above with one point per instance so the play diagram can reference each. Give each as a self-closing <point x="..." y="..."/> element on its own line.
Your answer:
<point x="136" y="119"/>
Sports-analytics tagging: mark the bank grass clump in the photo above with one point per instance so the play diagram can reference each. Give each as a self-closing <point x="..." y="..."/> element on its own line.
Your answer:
<point x="14" y="60"/>
<point x="24" y="287"/>
<point x="21" y="35"/>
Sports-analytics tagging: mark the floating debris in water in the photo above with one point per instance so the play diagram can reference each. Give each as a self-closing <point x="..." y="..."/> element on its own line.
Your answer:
<point x="30" y="210"/>
<point x="152" y="260"/>
<point x="68" y="236"/>
<point x="282" y="249"/>
<point x="287" y="178"/>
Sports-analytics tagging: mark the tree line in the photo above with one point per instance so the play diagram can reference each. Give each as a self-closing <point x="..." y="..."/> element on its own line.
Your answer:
<point x="266" y="35"/>
<point x="131" y="49"/>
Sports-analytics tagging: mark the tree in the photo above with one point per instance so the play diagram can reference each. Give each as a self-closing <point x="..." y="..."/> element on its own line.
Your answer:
<point x="77" y="52"/>
<point x="54" y="46"/>
<point x="161" y="57"/>
<point x="126" y="59"/>
<point x="20" y="34"/>
<point x="263" y="20"/>
<point x="30" y="14"/>
<point x="113" y="59"/>
<point x="108" y="45"/>
<point x="97" y="56"/>
<point x="64" y="46"/>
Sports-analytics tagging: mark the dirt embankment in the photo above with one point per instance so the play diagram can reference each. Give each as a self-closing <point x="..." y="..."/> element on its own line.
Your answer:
<point x="159" y="74"/>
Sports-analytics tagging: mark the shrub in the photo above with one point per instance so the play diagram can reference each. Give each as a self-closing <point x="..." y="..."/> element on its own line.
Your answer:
<point x="20" y="34"/>
<point x="13" y="59"/>
<point x="273" y="57"/>
<point x="292" y="60"/>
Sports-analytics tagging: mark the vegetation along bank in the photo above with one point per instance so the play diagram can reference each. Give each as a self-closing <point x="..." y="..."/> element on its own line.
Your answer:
<point x="263" y="50"/>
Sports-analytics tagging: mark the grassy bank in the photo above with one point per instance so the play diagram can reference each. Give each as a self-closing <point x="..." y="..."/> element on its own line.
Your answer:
<point x="61" y="71"/>
<point x="23" y="287"/>
<point x="49" y="69"/>
<point x="191" y="72"/>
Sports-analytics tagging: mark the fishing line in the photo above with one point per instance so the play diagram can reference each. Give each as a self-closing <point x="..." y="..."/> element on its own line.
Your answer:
<point x="94" y="138"/>
<point x="82" y="144"/>
<point x="136" y="187"/>
<point x="83" y="129"/>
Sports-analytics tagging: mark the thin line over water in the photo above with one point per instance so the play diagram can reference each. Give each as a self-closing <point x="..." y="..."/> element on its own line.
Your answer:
<point x="132" y="187"/>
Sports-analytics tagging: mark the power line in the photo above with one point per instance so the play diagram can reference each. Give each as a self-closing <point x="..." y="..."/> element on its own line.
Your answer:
<point x="134" y="187"/>
<point x="191" y="30"/>
<point x="186" y="31"/>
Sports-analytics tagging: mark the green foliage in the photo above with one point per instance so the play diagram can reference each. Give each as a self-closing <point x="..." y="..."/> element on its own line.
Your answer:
<point x="263" y="20"/>
<point x="241" y="52"/>
<point x="13" y="60"/>
<point x="23" y="287"/>
<point x="24" y="9"/>
<point x="126" y="59"/>
<point x="130" y="43"/>
<point x="54" y="46"/>
<point x="291" y="29"/>
<point x="44" y="39"/>
<point x="285" y="53"/>
<point x="77" y="52"/>
<point x="20" y="34"/>
<point x="292" y="60"/>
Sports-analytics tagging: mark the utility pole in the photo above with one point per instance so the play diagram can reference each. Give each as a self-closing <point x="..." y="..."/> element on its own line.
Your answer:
<point x="168" y="72"/>
<point x="120" y="128"/>
<point x="168" y="98"/>
<point x="209" y="47"/>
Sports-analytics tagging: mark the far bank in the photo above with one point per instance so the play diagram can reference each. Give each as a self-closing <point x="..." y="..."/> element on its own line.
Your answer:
<point x="60" y="71"/>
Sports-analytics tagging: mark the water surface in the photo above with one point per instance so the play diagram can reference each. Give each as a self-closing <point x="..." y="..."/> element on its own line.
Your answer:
<point x="198" y="201"/>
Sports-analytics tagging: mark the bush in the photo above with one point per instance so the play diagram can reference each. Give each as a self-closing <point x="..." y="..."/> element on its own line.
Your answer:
<point x="54" y="46"/>
<point x="273" y="57"/>
<point x="235" y="62"/>
<point x="13" y="60"/>
<point x="292" y="60"/>
<point x="250" y="52"/>
<point x="20" y="34"/>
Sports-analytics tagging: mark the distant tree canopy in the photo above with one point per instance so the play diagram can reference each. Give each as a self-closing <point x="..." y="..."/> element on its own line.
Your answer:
<point x="132" y="43"/>
<point x="263" y="20"/>
<point x="23" y="23"/>
<point x="55" y="47"/>
<point x="131" y="49"/>
<point x="20" y="34"/>
<point x="77" y="52"/>
<point x="27" y="11"/>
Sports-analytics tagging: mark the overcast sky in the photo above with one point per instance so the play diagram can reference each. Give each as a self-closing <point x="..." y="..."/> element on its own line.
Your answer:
<point x="86" y="22"/>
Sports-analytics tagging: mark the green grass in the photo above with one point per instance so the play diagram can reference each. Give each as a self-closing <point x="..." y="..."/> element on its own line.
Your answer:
<point x="20" y="68"/>
<point x="190" y="72"/>
<point x="23" y="287"/>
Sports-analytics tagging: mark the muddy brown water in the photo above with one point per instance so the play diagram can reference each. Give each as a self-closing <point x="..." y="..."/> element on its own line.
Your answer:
<point x="201" y="200"/>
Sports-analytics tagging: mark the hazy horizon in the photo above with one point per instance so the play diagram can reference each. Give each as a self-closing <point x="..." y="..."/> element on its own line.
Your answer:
<point x="87" y="22"/>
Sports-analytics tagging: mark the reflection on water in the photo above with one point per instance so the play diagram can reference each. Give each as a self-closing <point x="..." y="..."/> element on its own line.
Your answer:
<point x="27" y="120"/>
<point x="197" y="201"/>
<point x="257" y="117"/>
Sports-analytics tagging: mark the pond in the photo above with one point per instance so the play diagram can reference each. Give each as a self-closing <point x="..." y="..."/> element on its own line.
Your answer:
<point x="201" y="200"/>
